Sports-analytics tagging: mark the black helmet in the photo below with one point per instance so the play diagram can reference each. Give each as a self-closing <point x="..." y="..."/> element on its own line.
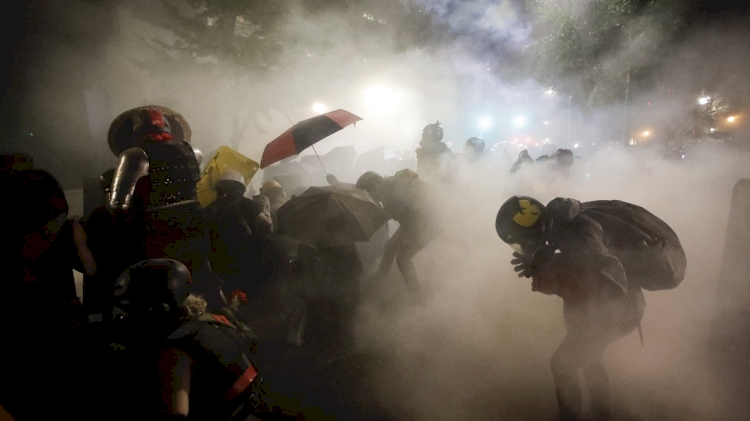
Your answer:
<point x="231" y="183"/>
<point x="130" y="127"/>
<point x="432" y="132"/>
<point x="477" y="143"/>
<point x="370" y="181"/>
<point x="563" y="158"/>
<point x="543" y="158"/>
<point x="521" y="221"/>
<point x="151" y="287"/>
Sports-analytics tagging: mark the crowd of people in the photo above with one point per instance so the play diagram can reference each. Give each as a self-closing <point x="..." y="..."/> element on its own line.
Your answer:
<point x="211" y="312"/>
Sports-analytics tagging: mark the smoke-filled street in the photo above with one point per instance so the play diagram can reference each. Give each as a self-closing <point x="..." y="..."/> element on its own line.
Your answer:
<point x="376" y="210"/>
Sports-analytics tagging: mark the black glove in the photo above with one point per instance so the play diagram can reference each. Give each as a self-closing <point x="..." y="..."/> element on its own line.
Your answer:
<point x="530" y="266"/>
<point x="521" y="264"/>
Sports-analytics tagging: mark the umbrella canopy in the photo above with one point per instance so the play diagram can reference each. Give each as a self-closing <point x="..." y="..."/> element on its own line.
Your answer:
<point x="331" y="216"/>
<point x="340" y="156"/>
<point x="304" y="134"/>
<point x="224" y="160"/>
<point x="374" y="158"/>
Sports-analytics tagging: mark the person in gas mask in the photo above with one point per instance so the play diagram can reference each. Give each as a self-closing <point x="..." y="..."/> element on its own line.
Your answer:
<point x="406" y="199"/>
<point x="435" y="161"/>
<point x="596" y="256"/>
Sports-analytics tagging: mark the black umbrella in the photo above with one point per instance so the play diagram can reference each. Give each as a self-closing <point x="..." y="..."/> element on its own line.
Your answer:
<point x="331" y="216"/>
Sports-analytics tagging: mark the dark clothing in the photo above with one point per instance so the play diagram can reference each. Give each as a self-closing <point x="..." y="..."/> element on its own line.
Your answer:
<point x="330" y="287"/>
<point x="42" y="333"/>
<point x="599" y="305"/>
<point x="223" y="355"/>
<point x="173" y="174"/>
<point x="522" y="160"/>
<point x="407" y="200"/>
<point x="166" y="221"/>
<point x="177" y="232"/>
<point x="236" y="250"/>
<point x="434" y="160"/>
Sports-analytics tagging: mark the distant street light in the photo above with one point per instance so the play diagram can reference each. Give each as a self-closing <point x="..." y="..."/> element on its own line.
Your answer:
<point x="704" y="100"/>
<point x="550" y="91"/>
<point x="319" y="108"/>
<point x="519" y="121"/>
<point x="730" y="119"/>
<point x="485" y="123"/>
<point x="646" y="133"/>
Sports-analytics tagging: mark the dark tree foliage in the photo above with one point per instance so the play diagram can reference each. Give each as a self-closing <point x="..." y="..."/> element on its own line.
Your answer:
<point x="240" y="41"/>
<point x="594" y="48"/>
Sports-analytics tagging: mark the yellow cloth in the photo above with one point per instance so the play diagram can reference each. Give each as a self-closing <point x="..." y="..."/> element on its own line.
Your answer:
<point x="225" y="159"/>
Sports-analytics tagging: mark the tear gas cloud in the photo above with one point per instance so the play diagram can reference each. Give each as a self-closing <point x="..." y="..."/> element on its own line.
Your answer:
<point x="479" y="348"/>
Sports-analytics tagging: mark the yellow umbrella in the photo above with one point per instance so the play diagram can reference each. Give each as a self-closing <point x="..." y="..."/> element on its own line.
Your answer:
<point x="225" y="159"/>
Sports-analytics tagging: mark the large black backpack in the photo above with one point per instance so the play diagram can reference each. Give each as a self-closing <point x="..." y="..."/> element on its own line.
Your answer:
<point x="647" y="247"/>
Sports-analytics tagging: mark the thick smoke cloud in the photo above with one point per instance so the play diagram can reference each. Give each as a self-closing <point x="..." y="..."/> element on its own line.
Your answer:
<point x="479" y="347"/>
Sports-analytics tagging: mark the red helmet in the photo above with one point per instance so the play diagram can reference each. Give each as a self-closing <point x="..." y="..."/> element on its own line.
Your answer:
<point x="150" y="121"/>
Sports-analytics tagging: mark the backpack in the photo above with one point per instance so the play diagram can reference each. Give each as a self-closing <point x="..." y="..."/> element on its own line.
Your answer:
<point x="647" y="247"/>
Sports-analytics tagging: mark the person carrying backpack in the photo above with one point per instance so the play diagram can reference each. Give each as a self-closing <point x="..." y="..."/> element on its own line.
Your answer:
<point x="597" y="256"/>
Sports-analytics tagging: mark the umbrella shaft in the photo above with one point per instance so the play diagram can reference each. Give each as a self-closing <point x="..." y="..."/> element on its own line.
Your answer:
<point x="321" y="161"/>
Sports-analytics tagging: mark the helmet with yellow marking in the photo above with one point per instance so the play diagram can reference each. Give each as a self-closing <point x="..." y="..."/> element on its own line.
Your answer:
<point x="520" y="222"/>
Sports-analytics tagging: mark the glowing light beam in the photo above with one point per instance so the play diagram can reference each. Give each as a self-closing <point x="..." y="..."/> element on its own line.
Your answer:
<point x="319" y="108"/>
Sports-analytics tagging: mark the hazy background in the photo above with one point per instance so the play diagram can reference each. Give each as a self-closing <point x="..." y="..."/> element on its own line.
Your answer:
<point x="600" y="74"/>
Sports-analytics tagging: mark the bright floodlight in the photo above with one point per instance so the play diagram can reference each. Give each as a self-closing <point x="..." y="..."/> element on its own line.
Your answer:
<point x="704" y="100"/>
<point x="381" y="97"/>
<point x="485" y="122"/>
<point x="550" y="92"/>
<point x="646" y="133"/>
<point x="319" y="108"/>
<point x="519" y="121"/>
<point x="730" y="119"/>
<point x="575" y="146"/>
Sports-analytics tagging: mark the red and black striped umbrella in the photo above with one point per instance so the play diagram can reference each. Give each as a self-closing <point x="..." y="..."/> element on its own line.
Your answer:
<point x="304" y="134"/>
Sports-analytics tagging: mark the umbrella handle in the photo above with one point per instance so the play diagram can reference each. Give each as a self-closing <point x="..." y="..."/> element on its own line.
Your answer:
<point x="321" y="162"/>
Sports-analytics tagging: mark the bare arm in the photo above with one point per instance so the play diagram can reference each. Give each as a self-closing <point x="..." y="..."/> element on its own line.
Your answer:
<point x="175" y="373"/>
<point x="84" y="254"/>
